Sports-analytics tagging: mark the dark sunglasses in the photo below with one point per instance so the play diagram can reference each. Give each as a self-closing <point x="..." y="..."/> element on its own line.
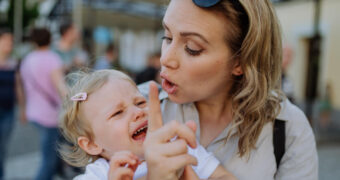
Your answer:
<point x="210" y="3"/>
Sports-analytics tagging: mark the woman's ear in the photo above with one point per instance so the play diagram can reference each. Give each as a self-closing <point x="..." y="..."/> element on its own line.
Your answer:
<point x="237" y="69"/>
<point x="88" y="146"/>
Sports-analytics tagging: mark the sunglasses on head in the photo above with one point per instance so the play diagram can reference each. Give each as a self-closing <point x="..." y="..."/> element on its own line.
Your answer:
<point x="210" y="3"/>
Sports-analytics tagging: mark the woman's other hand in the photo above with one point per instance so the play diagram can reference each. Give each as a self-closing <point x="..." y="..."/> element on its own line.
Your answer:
<point x="189" y="174"/>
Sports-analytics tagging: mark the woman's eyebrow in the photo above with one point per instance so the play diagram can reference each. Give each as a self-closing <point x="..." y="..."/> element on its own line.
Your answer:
<point x="165" y="26"/>
<point x="184" y="34"/>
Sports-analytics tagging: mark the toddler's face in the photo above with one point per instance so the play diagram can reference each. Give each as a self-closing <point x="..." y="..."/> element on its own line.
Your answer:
<point x="117" y="113"/>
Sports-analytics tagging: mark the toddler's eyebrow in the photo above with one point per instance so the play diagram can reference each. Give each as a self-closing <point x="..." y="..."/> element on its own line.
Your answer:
<point x="140" y="97"/>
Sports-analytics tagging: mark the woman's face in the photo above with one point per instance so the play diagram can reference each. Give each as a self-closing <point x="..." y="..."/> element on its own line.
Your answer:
<point x="195" y="56"/>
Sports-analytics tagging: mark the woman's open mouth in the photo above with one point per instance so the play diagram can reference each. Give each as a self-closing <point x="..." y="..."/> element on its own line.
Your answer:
<point x="140" y="133"/>
<point x="168" y="86"/>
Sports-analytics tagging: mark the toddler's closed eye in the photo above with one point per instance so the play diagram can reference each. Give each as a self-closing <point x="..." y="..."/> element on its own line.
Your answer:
<point x="117" y="113"/>
<point x="141" y="103"/>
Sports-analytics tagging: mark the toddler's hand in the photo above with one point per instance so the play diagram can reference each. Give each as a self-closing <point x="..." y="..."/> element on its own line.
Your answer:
<point x="123" y="165"/>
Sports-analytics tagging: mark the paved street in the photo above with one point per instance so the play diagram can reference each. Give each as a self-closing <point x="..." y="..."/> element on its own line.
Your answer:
<point x="24" y="157"/>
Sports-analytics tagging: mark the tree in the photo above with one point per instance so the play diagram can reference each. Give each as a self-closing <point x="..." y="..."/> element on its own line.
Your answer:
<point x="29" y="14"/>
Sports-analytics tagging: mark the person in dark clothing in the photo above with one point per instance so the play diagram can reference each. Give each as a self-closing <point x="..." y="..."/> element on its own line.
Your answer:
<point x="151" y="71"/>
<point x="10" y="90"/>
<point x="109" y="60"/>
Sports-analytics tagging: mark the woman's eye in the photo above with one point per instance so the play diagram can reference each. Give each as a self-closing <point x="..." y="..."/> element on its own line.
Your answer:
<point x="193" y="52"/>
<point x="167" y="39"/>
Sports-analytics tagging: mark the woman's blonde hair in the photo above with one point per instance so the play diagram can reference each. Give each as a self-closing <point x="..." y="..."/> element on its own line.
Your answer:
<point x="254" y="37"/>
<point x="72" y="126"/>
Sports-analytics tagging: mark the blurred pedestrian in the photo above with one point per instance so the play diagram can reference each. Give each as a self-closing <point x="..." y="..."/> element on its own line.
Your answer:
<point x="66" y="46"/>
<point x="286" y="83"/>
<point x="42" y="75"/>
<point x="108" y="61"/>
<point x="9" y="91"/>
<point x="82" y="58"/>
<point x="151" y="72"/>
<point x="326" y="107"/>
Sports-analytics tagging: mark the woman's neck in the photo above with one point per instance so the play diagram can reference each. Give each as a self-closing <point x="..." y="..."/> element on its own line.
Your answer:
<point x="215" y="114"/>
<point x="217" y="108"/>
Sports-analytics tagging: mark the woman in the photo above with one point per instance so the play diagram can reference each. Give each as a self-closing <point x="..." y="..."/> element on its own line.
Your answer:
<point x="221" y="63"/>
<point x="44" y="86"/>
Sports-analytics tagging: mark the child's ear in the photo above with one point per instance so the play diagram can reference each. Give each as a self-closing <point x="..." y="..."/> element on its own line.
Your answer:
<point x="237" y="69"/>
<point x="88" y="146"/>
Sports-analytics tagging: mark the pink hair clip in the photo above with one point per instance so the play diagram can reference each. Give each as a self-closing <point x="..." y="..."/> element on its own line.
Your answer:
<point x="79" y="97"/>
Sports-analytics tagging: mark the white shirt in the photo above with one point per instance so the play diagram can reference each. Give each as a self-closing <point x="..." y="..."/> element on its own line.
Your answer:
<point x="300" y="161"/>
<point x="207" y="164"/>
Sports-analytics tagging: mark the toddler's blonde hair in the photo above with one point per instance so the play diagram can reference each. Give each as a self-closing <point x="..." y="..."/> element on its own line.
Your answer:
<point x="72" y="126"/>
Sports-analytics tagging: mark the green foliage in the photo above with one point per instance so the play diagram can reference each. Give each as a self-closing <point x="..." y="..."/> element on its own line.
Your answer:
<point x="30" y="13"/>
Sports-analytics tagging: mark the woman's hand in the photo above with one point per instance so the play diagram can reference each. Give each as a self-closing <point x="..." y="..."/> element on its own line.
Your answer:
<point x="123" y="165"/>
<point x="189" y="174"/>
<point x="164" y="155"/>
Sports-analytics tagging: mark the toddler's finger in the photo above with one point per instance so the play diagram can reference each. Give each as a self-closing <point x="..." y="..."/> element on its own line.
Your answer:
<point x="122" y="160"/>
<point x="121" y="173"/>
<point x="155" y="114"/>
<point x="173" y="129"/>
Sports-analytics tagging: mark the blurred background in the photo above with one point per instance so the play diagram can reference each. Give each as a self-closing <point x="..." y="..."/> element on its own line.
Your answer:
<point x="126" y="35"/>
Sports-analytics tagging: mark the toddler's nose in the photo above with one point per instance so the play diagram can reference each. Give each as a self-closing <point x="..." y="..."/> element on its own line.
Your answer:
<point x="138" y="113"/>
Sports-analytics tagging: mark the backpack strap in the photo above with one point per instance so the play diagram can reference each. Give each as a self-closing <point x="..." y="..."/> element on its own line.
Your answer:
<point x="279" y="140"/>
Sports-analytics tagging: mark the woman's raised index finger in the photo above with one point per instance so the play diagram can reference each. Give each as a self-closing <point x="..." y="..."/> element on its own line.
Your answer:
<point x="155" y="113"/>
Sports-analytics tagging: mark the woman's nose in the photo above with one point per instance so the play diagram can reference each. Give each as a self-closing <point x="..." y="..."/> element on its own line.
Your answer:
<point x="169" y="58"/>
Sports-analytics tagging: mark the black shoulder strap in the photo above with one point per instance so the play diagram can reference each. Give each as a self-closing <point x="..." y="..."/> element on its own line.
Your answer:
<point x="279" y="140"/>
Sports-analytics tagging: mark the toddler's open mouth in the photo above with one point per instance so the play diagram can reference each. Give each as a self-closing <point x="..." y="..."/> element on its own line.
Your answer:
<point x="140" y="133"/>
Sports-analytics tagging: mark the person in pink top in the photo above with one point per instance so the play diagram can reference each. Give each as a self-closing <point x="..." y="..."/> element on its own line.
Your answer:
<point x="42" y="76"/>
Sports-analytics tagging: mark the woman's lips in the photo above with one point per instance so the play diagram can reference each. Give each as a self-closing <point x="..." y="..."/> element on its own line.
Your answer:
<point x="169" y="87"/>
